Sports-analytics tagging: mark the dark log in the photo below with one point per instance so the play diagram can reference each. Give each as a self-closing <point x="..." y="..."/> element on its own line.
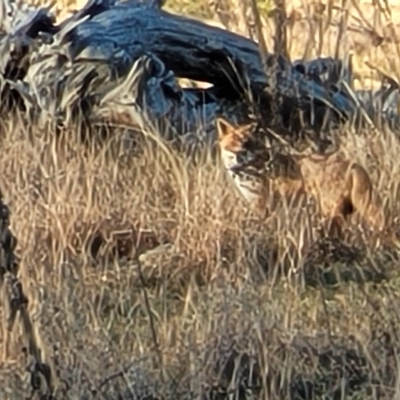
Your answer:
<point x="74" y="66"/>
<point x="151" y="100"/>
<point x="122" y="33"/>
<point x="191" y="49"/>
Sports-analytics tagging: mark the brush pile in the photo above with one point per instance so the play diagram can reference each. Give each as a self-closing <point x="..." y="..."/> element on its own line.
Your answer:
<point x="118" y="63"/>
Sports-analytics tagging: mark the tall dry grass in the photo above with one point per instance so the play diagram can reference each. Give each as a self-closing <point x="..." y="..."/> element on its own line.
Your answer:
<point x="224" y="293"/>
<point x="220" y="276"/>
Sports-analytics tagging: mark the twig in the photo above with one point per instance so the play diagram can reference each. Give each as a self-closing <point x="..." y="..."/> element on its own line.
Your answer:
<point x="148" y="308"/>
<point x="16" y="304"/>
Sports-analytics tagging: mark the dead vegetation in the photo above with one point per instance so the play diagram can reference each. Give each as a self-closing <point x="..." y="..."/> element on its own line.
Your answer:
<point x="145" y="276"/>
<point x="212" y="298"/>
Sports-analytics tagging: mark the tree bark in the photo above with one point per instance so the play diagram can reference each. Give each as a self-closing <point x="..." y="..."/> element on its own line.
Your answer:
<point x="119" y="34"/>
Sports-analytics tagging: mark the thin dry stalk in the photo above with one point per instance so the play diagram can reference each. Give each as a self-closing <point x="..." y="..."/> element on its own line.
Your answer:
<point x="15" y="305"/>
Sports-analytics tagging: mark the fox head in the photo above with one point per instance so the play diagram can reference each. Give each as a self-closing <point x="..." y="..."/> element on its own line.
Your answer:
<point x="241" y="145"/>
<point x="234" y="138"/>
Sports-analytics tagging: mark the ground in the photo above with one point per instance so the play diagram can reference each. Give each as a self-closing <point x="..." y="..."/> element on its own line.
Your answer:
<point x="224" y="304"/>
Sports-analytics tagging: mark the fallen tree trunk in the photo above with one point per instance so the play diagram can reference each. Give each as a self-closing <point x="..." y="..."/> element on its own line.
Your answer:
<point x="119" y="34"/>
<point x="192" y="50"/>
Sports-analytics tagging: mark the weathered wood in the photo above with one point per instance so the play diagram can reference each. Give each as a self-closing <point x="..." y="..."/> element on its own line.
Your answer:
<point x="87" y="67"/>
<point x="125" y="31"/>
<point x="150" y="100"/>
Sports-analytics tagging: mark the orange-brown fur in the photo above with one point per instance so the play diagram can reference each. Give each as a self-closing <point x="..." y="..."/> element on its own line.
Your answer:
<point x="340" y="187"/>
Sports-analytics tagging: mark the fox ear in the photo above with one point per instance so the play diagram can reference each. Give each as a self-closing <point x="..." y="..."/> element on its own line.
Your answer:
<point x="251" y="127"/>
<point x="224" y="128"/>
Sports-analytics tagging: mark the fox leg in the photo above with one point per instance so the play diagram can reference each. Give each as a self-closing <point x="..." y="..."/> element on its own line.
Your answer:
<point x="339" y="216"/>
<point x="365" y="199"/>
<point x="336" y="225"/>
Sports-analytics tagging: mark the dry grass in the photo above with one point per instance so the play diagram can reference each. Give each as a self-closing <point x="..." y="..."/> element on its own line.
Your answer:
<point x="319" y="317"/>
<point x="216" y="281"/>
